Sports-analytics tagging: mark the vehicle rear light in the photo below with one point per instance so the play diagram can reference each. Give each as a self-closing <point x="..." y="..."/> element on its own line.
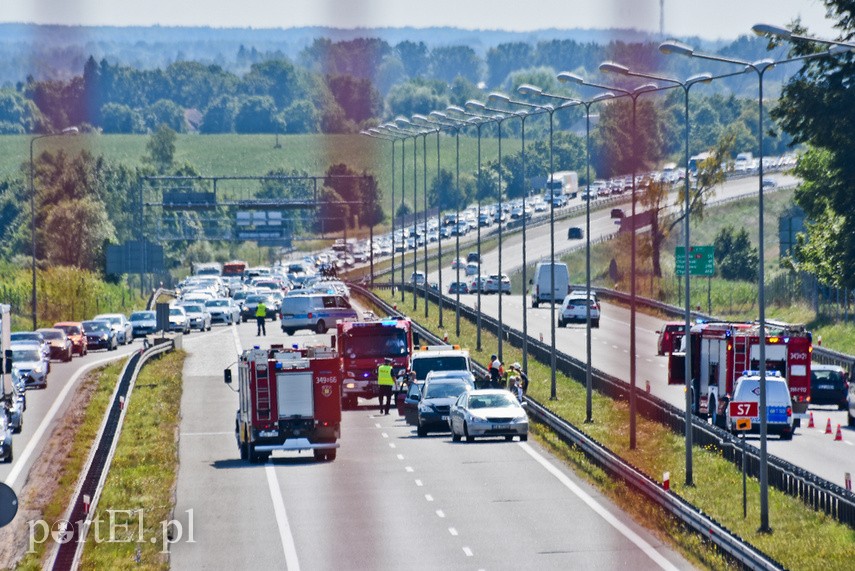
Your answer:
<point x="789" y="411"/>
<point x="595" y="306"/>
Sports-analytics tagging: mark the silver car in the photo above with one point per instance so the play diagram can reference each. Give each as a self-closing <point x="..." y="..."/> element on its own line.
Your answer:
<point x="487" y="412"/>
<point x="28" y="365"/>
<point x="223" y="310"/>
<point x="198" y="316"/>
<point x="120" y="324"/>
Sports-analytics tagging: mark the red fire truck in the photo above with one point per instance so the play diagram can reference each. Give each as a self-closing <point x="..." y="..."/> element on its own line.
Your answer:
<point x="290" y="399"/>
<point x="722" y="351"/>
<point x="363" y="346"/>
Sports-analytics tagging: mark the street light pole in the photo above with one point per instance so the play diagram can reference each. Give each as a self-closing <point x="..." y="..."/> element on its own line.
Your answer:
<point x="480" y="120"/>
<point x="523" y="116"/>
<point x="633" y="95"/>
<point x="377" y="134"/>
<point x="34" y="298"/>
<point x="760" y="68"/>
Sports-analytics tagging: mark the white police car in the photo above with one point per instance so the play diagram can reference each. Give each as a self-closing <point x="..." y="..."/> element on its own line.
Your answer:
<point x="779" y="404"/>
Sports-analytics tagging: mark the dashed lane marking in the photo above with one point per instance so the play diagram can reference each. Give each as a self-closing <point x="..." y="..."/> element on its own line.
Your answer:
<point x="468" y="552"/>
<point x="452" y="531"/>
<point x="633" y="537"/>
<point x="384" y="435"/>
<point x="409" y="469"/>
<point x="428" y="497"/>
<point x="419" y="483"/>
<point x="440" y="513"/>
<point x="400" y="456"/>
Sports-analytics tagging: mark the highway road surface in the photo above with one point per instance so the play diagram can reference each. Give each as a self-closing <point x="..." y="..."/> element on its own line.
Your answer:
<point x="390" y="500"/>
<point x="46" y="406"/>
<point x="810" y="449"/>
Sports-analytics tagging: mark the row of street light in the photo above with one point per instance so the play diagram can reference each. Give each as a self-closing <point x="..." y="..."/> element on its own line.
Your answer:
<point x="456" y="118"/>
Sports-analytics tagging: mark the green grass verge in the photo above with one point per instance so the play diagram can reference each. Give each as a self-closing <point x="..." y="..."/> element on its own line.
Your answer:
<point x="802" y="538"/>
<point x="101" y="383"/>
<point x="144" y="471"/>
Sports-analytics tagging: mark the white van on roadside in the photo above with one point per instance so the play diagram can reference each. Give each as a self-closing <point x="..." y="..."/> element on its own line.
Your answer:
<point x="541" y="284"/>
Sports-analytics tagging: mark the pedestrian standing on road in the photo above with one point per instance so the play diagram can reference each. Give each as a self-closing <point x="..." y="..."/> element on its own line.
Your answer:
<point x="260" y="318"/>
<point x="385" y="382"/>
<point x="523" y="377"/>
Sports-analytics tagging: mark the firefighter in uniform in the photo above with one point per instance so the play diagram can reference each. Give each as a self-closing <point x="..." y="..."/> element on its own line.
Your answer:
<point x="386" y="382"/>
<point x="260" y="317"/>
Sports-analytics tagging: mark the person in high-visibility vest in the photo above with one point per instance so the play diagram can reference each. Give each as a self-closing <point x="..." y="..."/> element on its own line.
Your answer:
<point x="260" y="317"/>
<point x="386" y="382"/>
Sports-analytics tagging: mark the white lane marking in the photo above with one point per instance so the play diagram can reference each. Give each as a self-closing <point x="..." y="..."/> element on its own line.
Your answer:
<point x="452" y="531"/>
<point x="392" y="445"/>
<point x="400" y="456"/>
<point x="384" y="435"/>
<point x="847" y="442"/>
<point x="205" y="433"/>
<point x="419" y="483"/>
<point x="440" y="513"/>
<point x="22" y="460"/>
<point x="428" y="497"/>
<point x="467" y="551"/>
<point x="377" y="424"/>
<point x="614" y="346"/>
<point x="648" y="549"/>
<point x="409" y="469"/>
<point x="291" y="561"/>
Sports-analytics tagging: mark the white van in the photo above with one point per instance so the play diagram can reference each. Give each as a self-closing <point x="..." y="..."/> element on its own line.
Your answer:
<point x="541" y="284"/>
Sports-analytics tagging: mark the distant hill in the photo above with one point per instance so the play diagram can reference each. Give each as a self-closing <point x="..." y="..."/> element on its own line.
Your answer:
<point x="60" y="51"/>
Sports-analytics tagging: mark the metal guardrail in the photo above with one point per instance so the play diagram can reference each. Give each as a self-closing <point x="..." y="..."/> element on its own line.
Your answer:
<point x="67" y="554"/>
<point x="820" y="494"/>
<point x="692" y="517"/>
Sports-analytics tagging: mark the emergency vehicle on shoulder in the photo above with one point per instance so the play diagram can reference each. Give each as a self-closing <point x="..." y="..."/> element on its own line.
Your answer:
<point x="290" y="399"/>
<point x="721" y="351"/>
<point x="429" y="358"/>
<point x="365" y="345"/>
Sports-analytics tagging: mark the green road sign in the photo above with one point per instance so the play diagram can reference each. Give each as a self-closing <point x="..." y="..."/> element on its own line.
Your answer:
<point x="701" y="261"/>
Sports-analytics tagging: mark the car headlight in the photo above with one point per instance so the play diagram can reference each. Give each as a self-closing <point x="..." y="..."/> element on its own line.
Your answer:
<point x="522" y="418"/>
<point x="37" y="369"/>
<point x="476" y="418"/>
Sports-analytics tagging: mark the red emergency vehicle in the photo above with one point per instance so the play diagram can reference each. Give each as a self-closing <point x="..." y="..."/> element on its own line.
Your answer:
<point x="234" y="268"/>
<point x="363" y="346"/>
<point x="290" y="399"/>
<point x="722" y="351"/>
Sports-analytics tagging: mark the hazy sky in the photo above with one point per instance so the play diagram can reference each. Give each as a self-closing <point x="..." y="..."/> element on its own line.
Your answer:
<point x="706" y="18"/>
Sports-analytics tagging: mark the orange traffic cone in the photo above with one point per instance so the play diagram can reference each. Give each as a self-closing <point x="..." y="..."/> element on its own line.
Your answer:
<point x="810" y="421"/>
<point x="828" y="427"/>
<point x="839" y="435"/>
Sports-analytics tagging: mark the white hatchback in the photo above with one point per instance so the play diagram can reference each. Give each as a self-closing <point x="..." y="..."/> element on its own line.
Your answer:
<point x="573" y="310"/>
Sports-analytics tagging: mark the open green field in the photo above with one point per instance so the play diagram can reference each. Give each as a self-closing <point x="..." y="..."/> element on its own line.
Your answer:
<point x="249" y="155"/>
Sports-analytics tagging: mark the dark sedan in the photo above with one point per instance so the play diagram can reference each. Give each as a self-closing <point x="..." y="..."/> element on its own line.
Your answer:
<point x="829" y="384"/>
<point x="99" y="335"/>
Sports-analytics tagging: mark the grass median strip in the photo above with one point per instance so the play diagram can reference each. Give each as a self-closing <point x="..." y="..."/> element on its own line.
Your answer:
<point x="138" y="495"/>
<point x="53" y="477"/>
<point x="802" y="538"/>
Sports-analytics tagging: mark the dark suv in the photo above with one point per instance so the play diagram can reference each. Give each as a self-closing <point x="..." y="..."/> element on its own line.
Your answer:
<point x="829" y="384"/>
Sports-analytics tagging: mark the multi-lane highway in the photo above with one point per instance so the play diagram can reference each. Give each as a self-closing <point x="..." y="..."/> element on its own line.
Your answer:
<point x="46" y="406"/>
<point x="810" y="449"/>
<point x="390" y="500"/>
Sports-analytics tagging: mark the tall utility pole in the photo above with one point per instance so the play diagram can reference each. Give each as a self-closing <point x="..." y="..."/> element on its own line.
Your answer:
<point x="662" y="18"/>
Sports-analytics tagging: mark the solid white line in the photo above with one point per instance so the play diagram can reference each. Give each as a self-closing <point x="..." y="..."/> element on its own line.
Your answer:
<point x="291" y="561"/>
<point x="452" y="531"/>
<point x="205" y="433"/>
<point x="600" y="510"/>
<point x="847" y="442"/>
<point x="22" y="460"/>
<point x="467" y="551"/>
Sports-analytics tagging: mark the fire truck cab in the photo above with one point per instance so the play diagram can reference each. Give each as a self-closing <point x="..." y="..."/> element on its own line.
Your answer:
<point x="364" y="346"/>
<point x="289" y="399"/>
<point x="721" y="351"/>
